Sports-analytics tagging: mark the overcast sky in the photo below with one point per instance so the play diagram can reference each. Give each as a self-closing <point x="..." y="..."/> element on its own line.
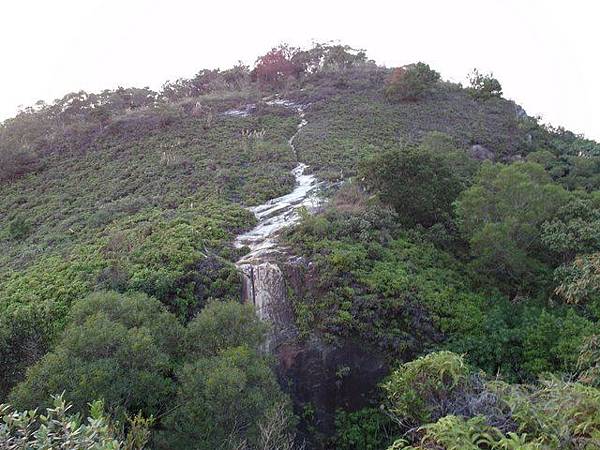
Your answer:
<point x="544" y="52"/>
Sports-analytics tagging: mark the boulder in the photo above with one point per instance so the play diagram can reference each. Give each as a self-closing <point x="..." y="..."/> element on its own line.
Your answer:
<point x="481" y="153"/>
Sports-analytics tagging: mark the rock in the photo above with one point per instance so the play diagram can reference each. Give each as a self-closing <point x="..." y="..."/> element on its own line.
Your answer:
<point x="329" y="377"/>
<point x="264" y="287"/>
<point x="243" y="111"/>
<point x="481" y="153"/>
<point x="513" y="158"/>
<point x="520" y="112"/>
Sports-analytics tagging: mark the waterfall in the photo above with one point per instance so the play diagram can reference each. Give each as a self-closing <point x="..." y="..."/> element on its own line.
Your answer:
<point x="263" y="281"/>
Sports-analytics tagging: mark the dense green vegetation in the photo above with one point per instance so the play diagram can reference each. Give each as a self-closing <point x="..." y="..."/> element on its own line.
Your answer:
<point x="456" y="407"/>
<point x="58" y="427"/>
<point x="461" y="246"/>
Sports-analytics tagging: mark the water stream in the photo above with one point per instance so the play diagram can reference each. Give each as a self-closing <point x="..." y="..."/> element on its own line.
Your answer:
<point x="281" y="212"/>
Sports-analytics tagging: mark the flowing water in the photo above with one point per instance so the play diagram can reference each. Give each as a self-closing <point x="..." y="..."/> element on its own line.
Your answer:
<point x="262" y="276"/>
<point x="283" y="211"/>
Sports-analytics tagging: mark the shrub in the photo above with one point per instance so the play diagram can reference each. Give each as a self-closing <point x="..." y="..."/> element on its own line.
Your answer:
<point x="550" y="414"/>
<point x="418" y="389"/>
<point x="18" y="228"/>
<point x="59" y="428"/>
<point x="502" y="214"/>
<point x="579" y="281"/>
<point x="588" y="363"/>
<point x="366" y="429"/>
<point x="222" y="325"/>
<point x="223" y="399"/>
<point x="484" y="86"/>
<point x="418" y="183"/>
<point x="276" y="66"/>
<point x="560" y="414"/>
<point x="118" y="348"/>
<point x="410" y="82"/>
<point x="14" y="164"/>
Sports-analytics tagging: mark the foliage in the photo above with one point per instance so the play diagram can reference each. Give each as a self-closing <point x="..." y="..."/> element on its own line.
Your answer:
<point x="418" y="183"/>
<point x="58" y="428"/>
<point x="580" y="281"/>
<point x="117" y="347"/>
<point x="551" y="414"/>
<point x="519" y="341"/>
<point x="177" y="168"/>
<point x="574" y="230"/>
<point x="276" y="66"/>
<point x="418" y="388"/>
<point x="484" y="86"/>
<point x="350" y="126"/>
<point x="502" y="215"/>
<point x="410" y="82"/>
<point x="588" y="363"/>
<point x="205" y="334"/>
<point x="457" y="433"/>
<point x="561" y="414"/>
<point x="18" y="228"/>
<point x="222" y="398"/>
<point x="368" y="429"/>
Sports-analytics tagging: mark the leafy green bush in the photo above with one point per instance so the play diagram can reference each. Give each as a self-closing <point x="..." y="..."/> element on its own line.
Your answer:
<point x="59" y="428"/>
<point x="417" y="389"/>
<point x="458" y="433"/>
<point x="418" y="183"/>
<point x="484" y="86"/>
<point x="410" y="82"/>
<point x="551" y="414"/>
<point x="560" y="414"/>
<point x="223" y="399"/>
<point x="502" y="215"/>
<point x="118" y="347"/>
<point x="18" y="228"/>
<point x="206" y="336"/>
<point x="365" y="429"/>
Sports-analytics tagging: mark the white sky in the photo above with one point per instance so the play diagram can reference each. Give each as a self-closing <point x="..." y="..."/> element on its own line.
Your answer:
<point x="544" y="52"/>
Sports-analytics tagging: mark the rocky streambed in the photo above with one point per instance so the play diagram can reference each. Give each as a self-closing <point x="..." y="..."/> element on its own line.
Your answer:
<point x="264" y="284"/>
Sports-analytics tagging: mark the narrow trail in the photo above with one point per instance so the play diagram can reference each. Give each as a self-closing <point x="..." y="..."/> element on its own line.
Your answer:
<point x="281" y="212"/>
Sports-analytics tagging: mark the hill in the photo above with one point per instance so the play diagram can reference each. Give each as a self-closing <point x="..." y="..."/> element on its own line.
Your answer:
<point x="451" y="223"/>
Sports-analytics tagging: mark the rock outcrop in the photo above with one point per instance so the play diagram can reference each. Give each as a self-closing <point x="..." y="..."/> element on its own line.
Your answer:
<point x="264" y="286"/>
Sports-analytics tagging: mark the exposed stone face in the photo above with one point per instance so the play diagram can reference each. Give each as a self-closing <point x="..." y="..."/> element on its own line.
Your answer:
<point x="264" y="286"/>
<point x="481" y="153"/>
<point x="329" y="377"/>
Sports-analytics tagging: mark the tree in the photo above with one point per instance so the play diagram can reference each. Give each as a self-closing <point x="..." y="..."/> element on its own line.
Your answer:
<point x="205" y="335"/>
<point x="502" y="215"/>
<point x="328" y="57"/>
<point x="484" y="86"/>
<point x="16" y="163"/>
<point x="119" y="347"/>
<point x="222" y="400"/>
<point x="574" y="230"/>
<point x="409" y="83"/>
<point x="418" y="183"/>
<point x="276" y="66"/>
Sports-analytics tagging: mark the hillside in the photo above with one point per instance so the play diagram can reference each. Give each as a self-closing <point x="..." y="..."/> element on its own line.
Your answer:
<point x="444" y="294"/>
